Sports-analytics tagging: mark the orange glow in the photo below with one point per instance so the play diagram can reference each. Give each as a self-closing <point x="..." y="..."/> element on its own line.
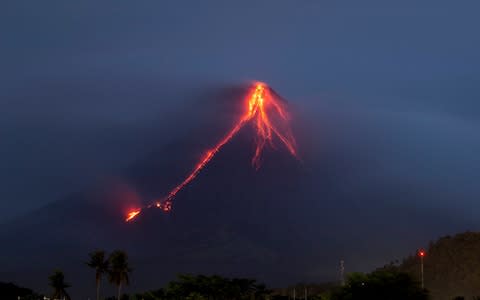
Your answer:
<point x="132" y="214"/>
<point x="262" y="107"/>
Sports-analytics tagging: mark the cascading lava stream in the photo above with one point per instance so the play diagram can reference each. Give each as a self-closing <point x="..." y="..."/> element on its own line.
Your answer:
<point x="263" y="110"/>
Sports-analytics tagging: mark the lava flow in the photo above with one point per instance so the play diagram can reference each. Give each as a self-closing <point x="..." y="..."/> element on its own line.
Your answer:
<point x="264" y="110"/>
<point x="132" y="214"/>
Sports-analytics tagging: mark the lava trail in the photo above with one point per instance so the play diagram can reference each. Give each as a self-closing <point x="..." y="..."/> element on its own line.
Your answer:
<point x="263" y="110"/>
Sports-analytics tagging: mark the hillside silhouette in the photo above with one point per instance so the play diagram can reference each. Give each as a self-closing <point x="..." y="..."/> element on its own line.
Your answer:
<point x="452" y="266"/>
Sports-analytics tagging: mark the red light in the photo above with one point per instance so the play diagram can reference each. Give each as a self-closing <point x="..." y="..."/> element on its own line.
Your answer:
<point x="421" y="253"/>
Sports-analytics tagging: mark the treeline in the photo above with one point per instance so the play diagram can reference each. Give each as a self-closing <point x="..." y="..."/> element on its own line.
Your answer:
<point x="385" y="284"/>
<point x="201" y="287"/>
<point x="392" y="282"/>
<point x="451" y="271"/>
<point x="378" y="285"/>
<point x="382" y="284"/>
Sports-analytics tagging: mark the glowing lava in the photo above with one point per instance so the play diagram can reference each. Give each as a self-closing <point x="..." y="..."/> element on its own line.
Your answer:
<point x="264" y="110"/>
<point x="132" y="214"/>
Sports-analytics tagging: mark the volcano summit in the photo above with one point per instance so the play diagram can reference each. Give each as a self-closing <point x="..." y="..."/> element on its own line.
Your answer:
<point x="269" y="117"/>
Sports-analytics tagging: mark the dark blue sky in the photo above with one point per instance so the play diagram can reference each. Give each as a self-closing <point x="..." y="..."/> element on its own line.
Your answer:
<point x="386" y="112"/>
<point x="86" y="88"/>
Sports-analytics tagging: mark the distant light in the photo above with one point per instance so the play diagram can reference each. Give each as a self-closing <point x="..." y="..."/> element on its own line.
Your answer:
<point x="421" y="253"/>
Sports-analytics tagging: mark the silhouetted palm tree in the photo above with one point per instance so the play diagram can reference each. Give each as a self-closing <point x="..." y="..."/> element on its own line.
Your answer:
<point x="99" y="262"/>
<point x="119" y="269"/>
<point x="57" y="281"/>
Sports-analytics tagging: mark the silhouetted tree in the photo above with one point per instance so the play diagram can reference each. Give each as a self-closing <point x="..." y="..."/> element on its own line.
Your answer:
<point x="57" y="281"/>
<point x="99" y="262"/>
<point x="119" y="270"/>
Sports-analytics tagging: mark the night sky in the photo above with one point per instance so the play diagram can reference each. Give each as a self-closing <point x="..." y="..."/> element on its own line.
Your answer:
<point x="384" y="98"/>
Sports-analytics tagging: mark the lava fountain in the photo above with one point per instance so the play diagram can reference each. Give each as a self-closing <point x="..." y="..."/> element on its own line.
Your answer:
<point x="262" y="108"/>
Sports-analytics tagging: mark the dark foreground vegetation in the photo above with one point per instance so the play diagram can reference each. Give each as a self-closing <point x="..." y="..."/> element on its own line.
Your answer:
<point x="12" y="291"/>
<point x="451" y="265"/>
<point x="214" y="287"/>
<point x="381" y="285"/>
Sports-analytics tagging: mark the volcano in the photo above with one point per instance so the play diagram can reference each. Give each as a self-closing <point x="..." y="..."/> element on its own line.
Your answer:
<point x="285" y="222"/>
<point x="230" y="220"/>
<point x="261" y="107"/>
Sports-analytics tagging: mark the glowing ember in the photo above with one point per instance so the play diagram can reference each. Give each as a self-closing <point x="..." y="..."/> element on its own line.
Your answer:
<point x="261" y="107"/>
<point x="131" y="215"/>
